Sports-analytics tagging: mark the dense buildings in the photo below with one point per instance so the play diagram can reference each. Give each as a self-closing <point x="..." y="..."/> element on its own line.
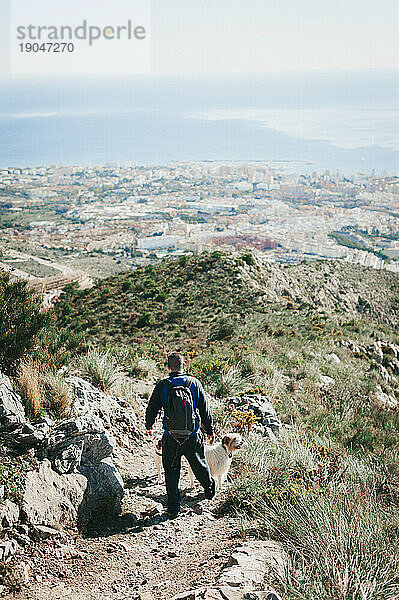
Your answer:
<point x="105" y="218"/>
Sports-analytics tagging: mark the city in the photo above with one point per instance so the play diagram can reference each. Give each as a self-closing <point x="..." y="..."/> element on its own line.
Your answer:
<point x="64" y="224"/>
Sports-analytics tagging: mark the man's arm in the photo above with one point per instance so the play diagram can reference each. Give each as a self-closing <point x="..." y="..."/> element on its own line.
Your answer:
<point x="204" y="410"/>
<point x="154" y="406"/>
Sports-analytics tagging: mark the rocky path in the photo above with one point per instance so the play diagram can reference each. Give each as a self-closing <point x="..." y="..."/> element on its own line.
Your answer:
<point x="142" y="556"/>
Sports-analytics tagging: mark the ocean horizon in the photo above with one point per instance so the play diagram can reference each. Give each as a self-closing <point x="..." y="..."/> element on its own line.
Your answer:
<point x="316" y="120"/>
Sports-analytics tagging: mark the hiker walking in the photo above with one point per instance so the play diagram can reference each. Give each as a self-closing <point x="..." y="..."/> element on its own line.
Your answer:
<point x="185" y="408"/>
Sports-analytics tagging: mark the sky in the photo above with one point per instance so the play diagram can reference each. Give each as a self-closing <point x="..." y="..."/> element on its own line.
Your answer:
<point x="212" y="36"/>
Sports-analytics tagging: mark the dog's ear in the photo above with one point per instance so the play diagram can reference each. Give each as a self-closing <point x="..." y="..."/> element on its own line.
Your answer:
<point x="226" y="441"/>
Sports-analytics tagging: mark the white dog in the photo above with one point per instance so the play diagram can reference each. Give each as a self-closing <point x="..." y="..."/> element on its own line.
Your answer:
<point x="218" y="457"/>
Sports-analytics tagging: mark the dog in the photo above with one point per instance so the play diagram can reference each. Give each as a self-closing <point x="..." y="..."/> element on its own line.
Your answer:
<point x="218" y="457"/>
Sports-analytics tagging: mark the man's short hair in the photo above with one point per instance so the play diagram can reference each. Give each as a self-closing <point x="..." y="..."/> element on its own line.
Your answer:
<point x="176" y="361"/>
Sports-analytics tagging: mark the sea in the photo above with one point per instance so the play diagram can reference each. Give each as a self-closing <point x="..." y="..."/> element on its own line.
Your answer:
<point x="344" y="121"/>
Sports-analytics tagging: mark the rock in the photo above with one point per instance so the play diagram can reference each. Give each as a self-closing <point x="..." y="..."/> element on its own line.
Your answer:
<point x="12" y="412"/>
<point x="32" y="434"/>
<point x="51" y="499"/>
<point x="334" y="358"/>
<point x="261" y="406"/>
<point x="45" y="533"/>
<point x="385" y="401"/>
<point x="116" y="413"/>
<point x="79" y="441"/>
<point x="7" y="550"/>
<point x="244" y="574"/>
<point x="325" y="380"/>
<point x="248" y="563"/>
<point x="9" y="514"/>
<point x="104" y="492"/>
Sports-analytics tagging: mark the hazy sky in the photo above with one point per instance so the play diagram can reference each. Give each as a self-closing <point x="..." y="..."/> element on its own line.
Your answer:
<point x="278" y="35"/>
<point x="205" y="36"/>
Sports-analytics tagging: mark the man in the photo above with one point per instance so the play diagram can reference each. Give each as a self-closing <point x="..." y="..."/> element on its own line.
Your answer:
<point x="178" y="443"/>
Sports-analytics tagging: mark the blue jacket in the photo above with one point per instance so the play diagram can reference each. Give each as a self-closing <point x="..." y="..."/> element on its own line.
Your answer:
<point x="201" y="405"/>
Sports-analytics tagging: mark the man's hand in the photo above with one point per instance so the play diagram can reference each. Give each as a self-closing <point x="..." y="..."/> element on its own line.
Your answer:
<point x="148" y="431"/>
<point x="212" y="439"/>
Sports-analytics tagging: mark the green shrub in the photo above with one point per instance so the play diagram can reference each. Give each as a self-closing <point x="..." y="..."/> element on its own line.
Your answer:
<point x="145" y="320"/>
<point x="22" y="318"/>
<point x="248" y="258"/>
<point x="30" y="383"/>
<point x="101" y="368"/>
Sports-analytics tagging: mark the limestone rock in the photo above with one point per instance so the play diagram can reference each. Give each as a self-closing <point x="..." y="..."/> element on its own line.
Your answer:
<point x="78" y="441"/>
<point x="249" y="563"/>
<point x="244" y="574"/>
<point x="104" y="492"/>
<point x="7" y="550"/>
<point x="12" y="412"/>
<point x="9" y="514"/>
<point x="326" y="380"/>
<point x="116" y="413"/>
<point x="334" y="358"/>
<point x="51" y="499"/>
<point x="386" y="401"/>
<point x="32" y="434"/>
<point x="261" y="406"/>
<point x="45" y="533"/>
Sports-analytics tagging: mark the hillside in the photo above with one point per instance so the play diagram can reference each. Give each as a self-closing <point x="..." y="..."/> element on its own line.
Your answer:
<point x="312" y="337"/>
<point x="303" y="361"/>
<point x="190" y="301"/>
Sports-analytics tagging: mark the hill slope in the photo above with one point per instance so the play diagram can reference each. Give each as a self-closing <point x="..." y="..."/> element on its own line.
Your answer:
<point x="192" y="300"/>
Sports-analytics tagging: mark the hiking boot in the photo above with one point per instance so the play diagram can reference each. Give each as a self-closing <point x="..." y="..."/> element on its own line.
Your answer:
<point x="210" y="493"/>
<point x="172" y="514"/>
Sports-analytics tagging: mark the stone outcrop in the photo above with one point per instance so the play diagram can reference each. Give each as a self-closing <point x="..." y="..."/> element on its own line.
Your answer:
<point x="78" y="441"/>
<point x="245" y="574"/>
<point x="76" y="480"/>
<point x="117" y="414"/>
<point x="9" y="514"/>
<point x="262" y="407"/>
<point x="12" y="412"/>
<point x="384" y="358"/>
<point x="51" y="499"/>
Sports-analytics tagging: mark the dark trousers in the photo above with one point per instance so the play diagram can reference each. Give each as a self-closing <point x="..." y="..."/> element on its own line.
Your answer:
<point x="193" y="450"/>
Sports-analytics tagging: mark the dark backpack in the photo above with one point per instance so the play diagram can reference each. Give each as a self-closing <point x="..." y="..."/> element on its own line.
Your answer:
<point x="180" y="414"/>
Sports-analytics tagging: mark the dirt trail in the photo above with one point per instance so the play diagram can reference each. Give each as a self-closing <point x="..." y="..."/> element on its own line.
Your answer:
<point x="131" y="557"/>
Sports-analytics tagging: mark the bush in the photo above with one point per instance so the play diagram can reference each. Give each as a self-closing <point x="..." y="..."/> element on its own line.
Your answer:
<point x="224" y="329"/>
<point x="29" y="381"/>
<point x="58" y="400"/>
<point x="248" y="258"/>
<point x="101" y="368"/>
<point x="142" y="368"/>
<point x="145" y="320"/>
<point x="22" y="318"/>
<point x="230" y="383"/>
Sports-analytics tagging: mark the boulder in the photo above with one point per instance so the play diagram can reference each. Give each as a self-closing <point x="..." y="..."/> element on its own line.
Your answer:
<point x="7" y="550"/>
<point x="262" y="408"/>
<point x="9" y="514"/>
<point x="51" y="499"/>
<point x="326" y="380"/>
<point x="244" y="575"/>
<point x="78" y="441"/>
<point x="249" y="563"/>
<point x="385" y="401"/>
<point x="104" y="492"/>
<point x="116" y="413"/>
<point x="12" y="412"/>
<point x="32" y="434"/>
<point x="334" y="358"/>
